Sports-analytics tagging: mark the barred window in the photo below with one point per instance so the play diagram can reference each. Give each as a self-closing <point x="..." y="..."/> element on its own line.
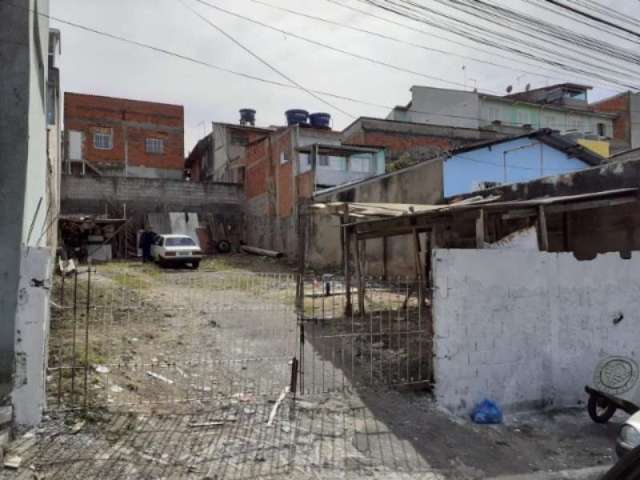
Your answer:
<point x="103" y="139"/>
<point x="154" y="145"/>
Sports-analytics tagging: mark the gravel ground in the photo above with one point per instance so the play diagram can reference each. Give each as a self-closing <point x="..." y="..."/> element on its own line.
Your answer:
<point x="192" y="365"/>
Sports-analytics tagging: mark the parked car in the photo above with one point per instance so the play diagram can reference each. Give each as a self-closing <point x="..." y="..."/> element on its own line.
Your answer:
<point x="176" y="250"/>
<point x="629" y="436"/>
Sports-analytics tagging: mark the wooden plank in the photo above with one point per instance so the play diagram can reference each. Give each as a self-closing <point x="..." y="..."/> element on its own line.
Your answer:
<point x="542" y="226"/>
<point x="480" y="229"/>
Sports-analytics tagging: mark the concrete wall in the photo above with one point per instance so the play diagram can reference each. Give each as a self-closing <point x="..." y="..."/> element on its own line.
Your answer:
<point x="421" y="183"/>
<point x="441" y="106"/>
<point x="526" y="159"/>
<point x="90" y="195"/>
<point x="25" y="200"/>
<point x="526" y="329"/>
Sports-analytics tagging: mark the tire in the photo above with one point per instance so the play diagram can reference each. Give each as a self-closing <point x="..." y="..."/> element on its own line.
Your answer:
<point x="627" y="468"/>
<point x="596" y="406"/>
<point x="223" y="246"/>
<point x="195" y="264"/>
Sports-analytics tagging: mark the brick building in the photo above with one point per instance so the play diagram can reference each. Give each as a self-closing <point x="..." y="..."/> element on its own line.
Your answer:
<point x="408" y="143"/>
<point x="120" y="137"/>
<point x="626" y="126"/>
<point x="219" y="157"/>
<point x="289" y="166"/>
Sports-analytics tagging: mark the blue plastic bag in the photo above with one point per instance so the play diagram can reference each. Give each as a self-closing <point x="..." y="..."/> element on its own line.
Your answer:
<point x="486" y="413"/>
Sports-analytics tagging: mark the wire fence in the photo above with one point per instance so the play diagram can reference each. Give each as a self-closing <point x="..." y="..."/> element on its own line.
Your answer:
<point x="139" y="338"/>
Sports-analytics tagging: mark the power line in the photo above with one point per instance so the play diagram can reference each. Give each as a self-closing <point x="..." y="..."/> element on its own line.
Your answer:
<point x="431" y="34"/>
<point x="329" y="47"/>
<point x="399" y="40"/>
<point x="593" y="17"/>
<point x="264" y="62"/>
<point x="547" y="47"/>
<point x="241" y="74"/>
<point x="482" y="36"/>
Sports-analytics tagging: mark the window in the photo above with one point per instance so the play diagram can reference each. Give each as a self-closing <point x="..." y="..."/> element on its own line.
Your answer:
<point x="103" y="139"/>
<point x="179" y="242"/>
<point x="360" y="163"/>
<point x="602" y="130"/>
<point x="154" y="145"/>
<point x="323" y="160"/>
<point x="284" y="158"/>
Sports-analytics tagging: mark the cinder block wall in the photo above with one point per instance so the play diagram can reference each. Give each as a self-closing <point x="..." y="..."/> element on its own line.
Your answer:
<point x="92" y="195"/>
<point x="527" y="329"/>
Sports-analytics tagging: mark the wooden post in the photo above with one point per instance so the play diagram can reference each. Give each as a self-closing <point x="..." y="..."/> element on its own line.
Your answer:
<point x="480" y="229"/>
<point x="384" y="258"/>
<point x="358" y="259"/>
<point x="542" y="226"/>
<point x="418" y="265"/>
<point x="302" y="247"/>
<point x="348" y="309"/>
<point x="565" y="231"/>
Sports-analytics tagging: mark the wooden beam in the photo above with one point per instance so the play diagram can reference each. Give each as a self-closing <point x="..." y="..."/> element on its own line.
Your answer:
<point x="542" y="228"/>
<point x="480" y="229"/>
<point x="348" y="308"/>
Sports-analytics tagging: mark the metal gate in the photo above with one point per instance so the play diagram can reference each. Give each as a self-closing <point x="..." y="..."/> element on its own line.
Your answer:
<point x="138" y="338"/>
<point x="386" y="342"/>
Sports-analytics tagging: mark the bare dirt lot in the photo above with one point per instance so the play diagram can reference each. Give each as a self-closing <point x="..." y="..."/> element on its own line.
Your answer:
<point x="185" y="369"/>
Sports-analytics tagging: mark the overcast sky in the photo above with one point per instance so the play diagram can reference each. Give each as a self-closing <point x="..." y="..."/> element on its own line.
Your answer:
<point x="96" y="65"/>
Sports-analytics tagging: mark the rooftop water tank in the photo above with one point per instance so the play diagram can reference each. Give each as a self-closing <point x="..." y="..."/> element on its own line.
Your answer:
<point x="247" y="116"/>
<point x="296" y="116"/>
<point x="320" y="120"/>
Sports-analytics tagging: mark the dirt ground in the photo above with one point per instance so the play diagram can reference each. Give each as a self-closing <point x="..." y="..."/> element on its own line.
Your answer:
<point x="185" y="372"/>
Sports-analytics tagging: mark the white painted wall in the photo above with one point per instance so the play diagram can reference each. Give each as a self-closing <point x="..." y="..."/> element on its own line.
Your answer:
<point x="525" y="328"/>
<point x="31" y="332"/>
<point x="441" y="106"/>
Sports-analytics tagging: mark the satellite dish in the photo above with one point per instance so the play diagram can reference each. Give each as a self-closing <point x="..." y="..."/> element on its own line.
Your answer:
<point x="509" y="88"/>
<point x="528" y="87"/>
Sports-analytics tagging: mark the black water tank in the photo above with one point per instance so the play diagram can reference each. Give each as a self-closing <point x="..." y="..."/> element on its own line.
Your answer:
<point x="296" y="116"/>
<point x="247" y="116"/>
<point x="320" y="120"/>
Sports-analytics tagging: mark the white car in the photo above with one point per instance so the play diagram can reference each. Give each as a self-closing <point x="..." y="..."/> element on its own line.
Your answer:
<point x="176" y="250"/>
<point x="629" y="437"/>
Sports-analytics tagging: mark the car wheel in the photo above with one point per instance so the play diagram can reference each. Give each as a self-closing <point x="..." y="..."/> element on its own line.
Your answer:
<point x="223" y="246"/>
<point x="195" y="264"/>
<point x="600" y="409"/>
<point x="627" y="468"/>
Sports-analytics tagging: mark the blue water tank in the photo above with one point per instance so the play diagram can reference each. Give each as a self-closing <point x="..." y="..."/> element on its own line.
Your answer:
<point x="296" y="116"/>
<point x="320" y="120"/>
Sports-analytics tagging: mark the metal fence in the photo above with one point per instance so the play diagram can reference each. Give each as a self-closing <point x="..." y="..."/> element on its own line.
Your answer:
<point x="386" y="344"/>
<point x="138" y="338"/>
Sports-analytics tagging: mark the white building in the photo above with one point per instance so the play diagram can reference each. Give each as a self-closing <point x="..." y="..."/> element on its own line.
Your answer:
<point x="562" y="107"/>
<point x="29" y="188"/>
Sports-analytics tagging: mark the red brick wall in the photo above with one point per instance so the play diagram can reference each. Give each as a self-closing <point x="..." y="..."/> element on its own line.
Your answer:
<point x="257" y="169"/>
<point x="142" y="120"/>
<point x="617" y="104"/>
<point x="284" y="174"/>
<point x="420" y="147"/>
